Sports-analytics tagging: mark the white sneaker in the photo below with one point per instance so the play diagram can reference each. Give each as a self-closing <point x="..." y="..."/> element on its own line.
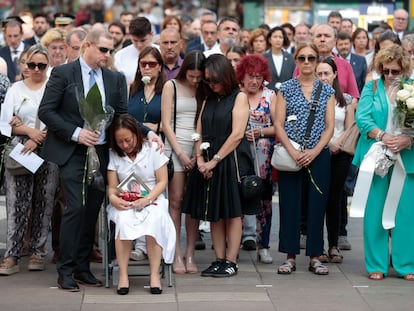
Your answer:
<point x="264" y="256"/>
<point x="204" y="226"/>
<point x="137" y="255"/>
<point x="343" y="243"/>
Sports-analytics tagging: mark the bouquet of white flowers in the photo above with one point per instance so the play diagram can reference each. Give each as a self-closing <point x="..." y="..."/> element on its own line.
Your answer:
<point x="404" y="109"/>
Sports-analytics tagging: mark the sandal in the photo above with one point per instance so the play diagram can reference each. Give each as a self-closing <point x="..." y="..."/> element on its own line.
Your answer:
<point x="324" y="257"/>
<point x="409" y="277"/>
<point x="317" y="267"/>
<point x="9" y="266"/>
<point x="376" y="276"/>
<point x="287" y="267"/>
<point x="335" y="255"/>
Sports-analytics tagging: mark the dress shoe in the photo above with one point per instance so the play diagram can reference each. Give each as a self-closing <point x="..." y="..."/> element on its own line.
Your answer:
<point x="67" y="283"/>
<point x="95" y="256"/>
<point x="87" y="278"/>
<point x="155" y="290"/>
<point x="123" y="291"/>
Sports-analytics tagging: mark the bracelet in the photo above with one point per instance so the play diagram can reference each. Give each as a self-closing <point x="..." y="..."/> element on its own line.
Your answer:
<point x="380" y="135"/>
<point x="150" y="200"/>
<point x="261" y="133"/>
<point x="198" y="155"/>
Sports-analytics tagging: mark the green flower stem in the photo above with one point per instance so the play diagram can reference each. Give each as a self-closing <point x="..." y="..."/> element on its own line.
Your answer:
<point x="313" y="180"/>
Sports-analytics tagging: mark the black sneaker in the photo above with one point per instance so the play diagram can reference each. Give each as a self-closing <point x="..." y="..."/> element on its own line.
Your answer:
<point x="215" y="266"/>
<point x="226" y="269"/>
<point x="249" y="245"/>
<point x="200" y="245"/>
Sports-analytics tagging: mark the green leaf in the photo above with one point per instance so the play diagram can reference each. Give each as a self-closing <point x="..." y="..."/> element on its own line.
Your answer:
<point x="91" y="106"/>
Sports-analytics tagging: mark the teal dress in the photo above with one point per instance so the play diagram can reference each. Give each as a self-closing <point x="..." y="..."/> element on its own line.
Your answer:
<point x="372" y="113"/>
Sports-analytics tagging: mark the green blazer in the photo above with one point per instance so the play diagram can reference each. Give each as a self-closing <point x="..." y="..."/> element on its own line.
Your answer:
<point x="372" y="112"/>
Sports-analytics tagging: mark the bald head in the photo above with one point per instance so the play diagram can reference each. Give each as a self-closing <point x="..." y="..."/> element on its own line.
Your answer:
<point x="400" y="20"/>
<point x="170" y="45"/>
<point x="324" y="38"/>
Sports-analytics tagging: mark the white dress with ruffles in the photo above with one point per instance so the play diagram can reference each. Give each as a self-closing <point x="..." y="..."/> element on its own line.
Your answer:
<point x="155" y="219"/>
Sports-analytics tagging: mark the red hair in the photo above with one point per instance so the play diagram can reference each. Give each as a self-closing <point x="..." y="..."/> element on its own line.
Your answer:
<point x="253" y="64"/>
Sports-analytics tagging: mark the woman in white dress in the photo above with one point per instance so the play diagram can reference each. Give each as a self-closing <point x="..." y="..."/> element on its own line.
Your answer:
<point x="148" y="215"/>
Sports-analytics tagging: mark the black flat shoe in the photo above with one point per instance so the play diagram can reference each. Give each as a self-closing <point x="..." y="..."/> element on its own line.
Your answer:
<point x="87" y="279"/>
<point x="123" y="291"/>
<point x="155" y="290"/>
<point x="67" y="283"/>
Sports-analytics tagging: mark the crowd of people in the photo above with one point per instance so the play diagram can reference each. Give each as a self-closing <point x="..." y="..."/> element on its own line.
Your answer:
<point x="211" y="105"/>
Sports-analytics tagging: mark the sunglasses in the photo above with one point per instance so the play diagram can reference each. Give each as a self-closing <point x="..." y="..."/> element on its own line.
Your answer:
<point x="213" y="80"/>
<point x="149" y="64"/>
<point x="393" y="72"/>
<point x="310" y="58"/>
<point x="105" y="50"/>
<point x="32" y="66"/>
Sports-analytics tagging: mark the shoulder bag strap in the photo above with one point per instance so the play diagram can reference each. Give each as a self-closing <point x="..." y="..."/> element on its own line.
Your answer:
<point x="175" y="109"/>
<point x="311" y="118"/>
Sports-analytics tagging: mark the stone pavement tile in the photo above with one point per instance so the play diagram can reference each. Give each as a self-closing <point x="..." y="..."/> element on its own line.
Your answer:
<point x="227" y="306"/>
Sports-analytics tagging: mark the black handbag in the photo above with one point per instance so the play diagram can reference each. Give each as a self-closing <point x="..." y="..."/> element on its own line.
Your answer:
<point x="251" y="187"/>
<point x="170" y="164"/>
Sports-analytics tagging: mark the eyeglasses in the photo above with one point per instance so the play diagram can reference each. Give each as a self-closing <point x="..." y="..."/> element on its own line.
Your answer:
<point x="309" y="58"/>
<point x="149" y="64"/>
<point x="32" y="66"/>
<point x="213" y="80"/>
<point x="105" y="50"/>
<point x="393" y="72"/>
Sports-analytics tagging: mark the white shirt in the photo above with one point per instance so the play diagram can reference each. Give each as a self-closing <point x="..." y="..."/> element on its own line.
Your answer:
<point x="22" y="102"/>
<point x="214" y="50"/>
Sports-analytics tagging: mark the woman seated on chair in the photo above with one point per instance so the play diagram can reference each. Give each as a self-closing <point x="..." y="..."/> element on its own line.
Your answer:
<point x="146" y="216"/>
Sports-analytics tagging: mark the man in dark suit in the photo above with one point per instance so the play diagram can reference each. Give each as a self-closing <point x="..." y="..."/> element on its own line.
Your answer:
<point x="13" y="34"/>
<point x="40" y="27"/>
<point x="66" y="145"/>
<point x="358" y="63"/>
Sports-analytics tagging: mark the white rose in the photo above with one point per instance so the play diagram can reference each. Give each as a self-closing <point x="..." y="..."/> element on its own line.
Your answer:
<point x="410" y="103"/>
<point x="292" y="118"/>
<point x="146" y="79"/>
<point x="408" y="87"/>
<point x="195" y="137"/>
<point x="403" y="95"/>
<point x="204" y="146"/>
<point x="277" y="85"/>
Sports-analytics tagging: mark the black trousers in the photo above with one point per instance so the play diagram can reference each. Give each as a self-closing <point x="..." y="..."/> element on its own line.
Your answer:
<point x="83" y="203"/>
<point x="296" y="190"/>
<point x="340" y="163"/>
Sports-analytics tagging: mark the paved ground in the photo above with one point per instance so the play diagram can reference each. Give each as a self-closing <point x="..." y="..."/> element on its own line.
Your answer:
<point x="256" y="287"/>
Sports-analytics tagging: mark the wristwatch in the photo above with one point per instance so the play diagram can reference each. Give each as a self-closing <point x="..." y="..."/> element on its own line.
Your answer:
<point x="217" y="157"/>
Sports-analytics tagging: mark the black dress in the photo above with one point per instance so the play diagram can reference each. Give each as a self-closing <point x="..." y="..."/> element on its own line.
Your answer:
<point x="219" y="197"/>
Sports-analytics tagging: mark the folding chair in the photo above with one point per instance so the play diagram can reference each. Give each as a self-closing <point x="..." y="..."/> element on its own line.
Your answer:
<point x="110" y="265"/>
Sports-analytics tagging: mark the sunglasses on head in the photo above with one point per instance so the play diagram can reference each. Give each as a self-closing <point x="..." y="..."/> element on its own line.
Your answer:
<point x="32" y="66"/>
<point x="105" y="50"/>
<point x="303" y="58"/>
<point x="211" y="80"/>
<point x="149" y="64"/>
<point x="394" y="72"/>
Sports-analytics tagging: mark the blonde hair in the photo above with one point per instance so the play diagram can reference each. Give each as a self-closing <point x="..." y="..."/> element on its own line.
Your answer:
<point x="54" y="34"/>
<point x="393" y="53"/>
